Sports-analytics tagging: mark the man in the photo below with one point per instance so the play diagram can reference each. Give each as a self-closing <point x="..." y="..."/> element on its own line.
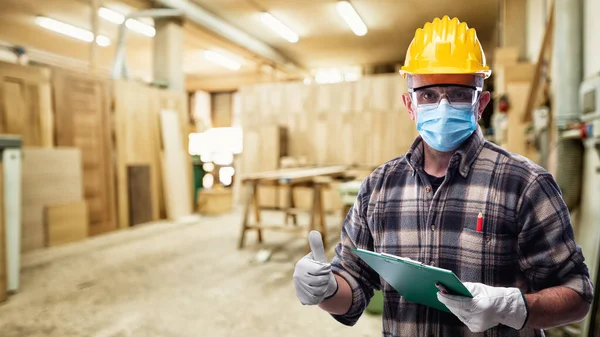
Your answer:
<point x="523" y="267"/>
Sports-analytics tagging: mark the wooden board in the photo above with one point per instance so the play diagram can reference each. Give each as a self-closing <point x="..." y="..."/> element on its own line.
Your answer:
<point x="3" y="269"/>
<point x="140" y="194"/>
<point x="50" y="177"/>
<point x="81" y="104"/>
<point x="137" y="133"/>
<point x="65" y="223"/>
<point x="175" y="180"/>
<point x="25" y="104"/>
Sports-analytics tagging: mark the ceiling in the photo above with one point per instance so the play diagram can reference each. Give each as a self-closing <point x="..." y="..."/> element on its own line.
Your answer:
<point x="325" y="39"/>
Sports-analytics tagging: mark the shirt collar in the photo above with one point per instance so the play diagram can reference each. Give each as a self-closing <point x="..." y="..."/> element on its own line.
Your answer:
<point x="464" y="156"/>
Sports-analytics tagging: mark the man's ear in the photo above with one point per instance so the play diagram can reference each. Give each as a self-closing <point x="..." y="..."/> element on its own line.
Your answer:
<point x="408" y="104"/>
<point x="483" y="102"/>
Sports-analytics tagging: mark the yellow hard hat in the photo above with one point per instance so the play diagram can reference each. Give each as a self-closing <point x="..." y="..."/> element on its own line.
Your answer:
<point x="445" y="46"/>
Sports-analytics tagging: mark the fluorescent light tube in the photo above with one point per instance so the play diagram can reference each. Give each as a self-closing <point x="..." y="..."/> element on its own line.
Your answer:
<point x="279" y="27"/>
<point x="349" y="14"/>
<point x="72" y="31"/>
<point x="221" y="60"/>
<point x="110" y="15"/>
<point x="140" y="27"/>
<point x="118" y="18"/>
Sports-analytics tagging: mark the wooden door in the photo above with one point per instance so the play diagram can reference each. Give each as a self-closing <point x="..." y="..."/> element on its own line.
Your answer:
<point x="25" y="104"/>
<point x="82" y="120"/>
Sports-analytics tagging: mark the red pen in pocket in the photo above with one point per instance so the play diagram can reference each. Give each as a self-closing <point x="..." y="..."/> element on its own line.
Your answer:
<point x="480" y="222"/>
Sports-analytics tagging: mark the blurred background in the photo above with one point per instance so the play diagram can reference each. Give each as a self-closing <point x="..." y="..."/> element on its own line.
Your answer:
<point x="162" y="161"/>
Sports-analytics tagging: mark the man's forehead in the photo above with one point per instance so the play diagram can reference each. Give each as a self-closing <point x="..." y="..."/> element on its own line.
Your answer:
<point x="418" y="81"/>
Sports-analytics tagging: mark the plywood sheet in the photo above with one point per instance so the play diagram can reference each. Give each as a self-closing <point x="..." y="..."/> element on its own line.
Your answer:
<point x="50" y="177"/>
<point x="82" y="120"/>
<point x="25" y="104"/>
<point x="66" y="223"/>
<point x="177" y="186"/>
<point x="140" y="194"/>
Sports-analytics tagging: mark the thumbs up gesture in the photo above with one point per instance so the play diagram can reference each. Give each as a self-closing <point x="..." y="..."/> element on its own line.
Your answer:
<point x="313" y="278"/>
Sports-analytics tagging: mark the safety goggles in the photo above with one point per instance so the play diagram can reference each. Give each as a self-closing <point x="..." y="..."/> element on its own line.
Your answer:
<point x="458" y="96"/>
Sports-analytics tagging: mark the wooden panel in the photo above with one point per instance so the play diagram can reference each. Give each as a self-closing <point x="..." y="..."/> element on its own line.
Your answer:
<point x="175" y="180"/>
<point x="3" y="274"/>
<point x="25" y="104"/>
<point x="137" y="124"/>
<point x="50" y="177"/>
<point x="140" y="194"/>
<point x="66" y="223"/>
<point x="82" y="120"/>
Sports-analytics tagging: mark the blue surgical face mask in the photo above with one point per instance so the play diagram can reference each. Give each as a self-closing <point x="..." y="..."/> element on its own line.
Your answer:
<point x="445" y="127"/>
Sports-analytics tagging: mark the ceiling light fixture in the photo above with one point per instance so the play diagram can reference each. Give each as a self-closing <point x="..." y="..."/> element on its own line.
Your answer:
<point x="279" y="27"/>
<point x="140" y="27"/>
<point x="110" y="15"/>
<point x="72" y="31"/>
<point x="118" y="18"/>
<point x="349" y="14"/>
<point x="221" y="60"/>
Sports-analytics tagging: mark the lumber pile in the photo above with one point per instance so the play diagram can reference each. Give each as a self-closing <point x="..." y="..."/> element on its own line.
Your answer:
<point x="362" y="123"/>
<point x="143" y="137"/>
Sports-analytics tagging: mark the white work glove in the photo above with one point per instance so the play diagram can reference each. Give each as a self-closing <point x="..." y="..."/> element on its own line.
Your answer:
<point x="313" y="278"/>
<point x="489" y="307"/>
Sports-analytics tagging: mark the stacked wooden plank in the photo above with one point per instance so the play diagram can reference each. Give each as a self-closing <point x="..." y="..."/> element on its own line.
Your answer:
<point x="137" y="111"/>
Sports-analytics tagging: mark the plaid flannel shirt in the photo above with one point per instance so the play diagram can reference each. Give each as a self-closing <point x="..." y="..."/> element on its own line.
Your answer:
<point x="527" y="239"/>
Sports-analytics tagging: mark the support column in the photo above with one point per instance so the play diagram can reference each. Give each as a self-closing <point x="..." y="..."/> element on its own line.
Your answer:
<point x="168" y="53"/>
<point x="567" y="60"/>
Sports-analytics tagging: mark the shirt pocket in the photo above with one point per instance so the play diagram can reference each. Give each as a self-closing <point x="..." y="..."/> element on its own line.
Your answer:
<point x="485" y="257"/>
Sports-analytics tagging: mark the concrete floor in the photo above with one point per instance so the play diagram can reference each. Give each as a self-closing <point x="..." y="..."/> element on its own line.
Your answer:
<point x="169" y="280"/>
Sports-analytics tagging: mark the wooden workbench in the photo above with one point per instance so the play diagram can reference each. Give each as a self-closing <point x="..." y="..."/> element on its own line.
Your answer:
<point x="317" y="179"/>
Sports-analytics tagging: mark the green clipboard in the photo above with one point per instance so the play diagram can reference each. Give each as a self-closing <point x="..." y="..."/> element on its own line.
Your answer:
<point x="414" y="280"/>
